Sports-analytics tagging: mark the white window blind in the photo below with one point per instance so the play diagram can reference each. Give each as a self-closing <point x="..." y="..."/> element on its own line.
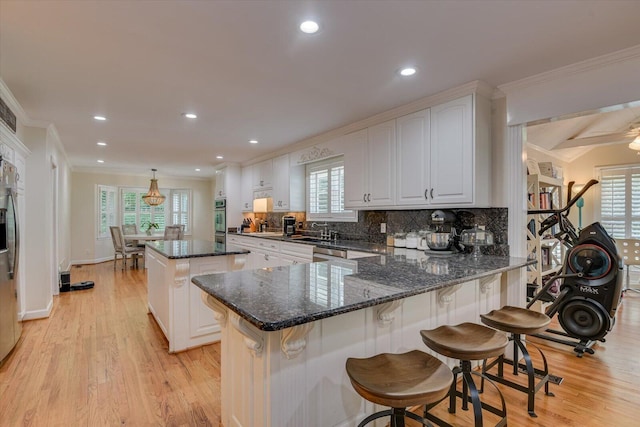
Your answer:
<point x="620" y="201"/>
<point x="180" y="208"/>
<point x="106" y="210"/>
<point x="325" y="191"/>
<point x="136" y="211"/>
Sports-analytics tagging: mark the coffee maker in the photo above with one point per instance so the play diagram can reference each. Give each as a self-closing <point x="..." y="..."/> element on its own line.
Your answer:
<point x="288" y="225"/>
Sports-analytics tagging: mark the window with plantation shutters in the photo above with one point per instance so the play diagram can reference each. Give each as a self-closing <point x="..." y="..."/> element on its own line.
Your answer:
<point x="620" y="201"/>
<point x="135" y="211"/>
<point x="180" y="202"/>
<point x="106" y="210"/>
<point x="176" y="210"/>
<point x="325" y="191"/>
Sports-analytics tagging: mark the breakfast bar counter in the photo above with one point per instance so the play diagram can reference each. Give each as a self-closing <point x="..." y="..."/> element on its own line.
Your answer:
<point x="287" y="331"/>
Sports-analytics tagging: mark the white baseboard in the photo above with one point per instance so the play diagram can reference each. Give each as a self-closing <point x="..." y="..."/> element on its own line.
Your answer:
<point x="38" y="314"/>
<point x="90" y="261"/>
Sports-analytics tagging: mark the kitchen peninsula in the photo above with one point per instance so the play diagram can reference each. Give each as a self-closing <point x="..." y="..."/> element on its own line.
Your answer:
<point x="287" y="331"/>
<point x="174" y="302"/>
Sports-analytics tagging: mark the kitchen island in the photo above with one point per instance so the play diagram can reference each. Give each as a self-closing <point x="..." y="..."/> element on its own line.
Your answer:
<point x="173" y="300"/>
<point x="287" y="331"/>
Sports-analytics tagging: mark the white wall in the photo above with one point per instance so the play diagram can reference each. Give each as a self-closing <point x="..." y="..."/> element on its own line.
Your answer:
<point x="87" y="248"/>
<point x="46" y="233"/>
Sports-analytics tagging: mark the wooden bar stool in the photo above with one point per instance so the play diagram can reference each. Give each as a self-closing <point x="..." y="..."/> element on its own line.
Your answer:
<point x="516" y="322"/>
<point x="467" y="342"/>
<point x="399" y="381"/>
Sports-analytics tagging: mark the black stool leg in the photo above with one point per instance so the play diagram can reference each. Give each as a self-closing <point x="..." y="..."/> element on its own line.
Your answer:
<point x="397" y="417"/>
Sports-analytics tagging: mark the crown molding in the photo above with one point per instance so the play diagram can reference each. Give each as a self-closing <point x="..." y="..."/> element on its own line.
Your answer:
<point x="475" y="87"/>
<point x="117" y="171"/>
<point x="572" y="69"/>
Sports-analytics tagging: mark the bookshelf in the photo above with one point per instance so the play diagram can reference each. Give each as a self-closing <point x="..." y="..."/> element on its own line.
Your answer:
<point x="544" y="192"/>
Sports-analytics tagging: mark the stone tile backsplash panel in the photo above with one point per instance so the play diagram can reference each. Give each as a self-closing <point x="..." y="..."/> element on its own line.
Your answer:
<point x="368" y="226"/>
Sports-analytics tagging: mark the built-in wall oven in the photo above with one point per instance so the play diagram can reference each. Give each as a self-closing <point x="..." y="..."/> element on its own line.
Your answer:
<point x="220" y="224"/>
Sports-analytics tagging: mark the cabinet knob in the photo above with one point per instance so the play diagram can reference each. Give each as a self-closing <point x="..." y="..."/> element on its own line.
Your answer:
<point x="266" y="257"/>
<point x="294" y="262"/>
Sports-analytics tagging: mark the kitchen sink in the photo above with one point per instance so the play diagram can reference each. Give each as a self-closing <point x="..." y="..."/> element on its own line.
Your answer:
<point x="307" y="239"/>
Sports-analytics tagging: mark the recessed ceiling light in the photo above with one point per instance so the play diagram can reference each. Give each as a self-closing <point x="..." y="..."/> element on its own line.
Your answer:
<point x="197" y="169"/>
<point x="100" y="118"/>
<point x="190" y="115"/>
<point x="100" y="161"/>
<point x="102" y="144"/>
<point x="219" y="157"/>
<point x="309" y="27"/>
<point x="409" y="71"/>
<point x="253" y="141"/>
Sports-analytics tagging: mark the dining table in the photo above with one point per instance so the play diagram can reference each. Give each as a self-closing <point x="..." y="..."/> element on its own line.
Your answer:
<point x="144" y="236"/>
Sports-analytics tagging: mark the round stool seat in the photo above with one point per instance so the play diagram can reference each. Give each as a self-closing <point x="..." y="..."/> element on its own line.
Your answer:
<point x="466" y="341"/>
<point x="516" y="320"/>
<point x="400" y="380"/>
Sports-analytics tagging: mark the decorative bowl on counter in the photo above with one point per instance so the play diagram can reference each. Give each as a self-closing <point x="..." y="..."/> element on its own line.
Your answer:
<point x="439" y="241"/>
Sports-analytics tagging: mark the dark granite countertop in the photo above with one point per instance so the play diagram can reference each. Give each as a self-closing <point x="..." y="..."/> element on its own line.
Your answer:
<point x="282" y="297"/>
<point x="178" y="249"/>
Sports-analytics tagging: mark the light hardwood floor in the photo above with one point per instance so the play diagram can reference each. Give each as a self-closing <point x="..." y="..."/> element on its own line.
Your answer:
<point x="100" y="360"/>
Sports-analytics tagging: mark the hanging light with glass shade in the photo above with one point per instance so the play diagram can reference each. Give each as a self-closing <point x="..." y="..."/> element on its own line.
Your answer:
<point x="635" y="145"/>
<point x="153" y="197"/>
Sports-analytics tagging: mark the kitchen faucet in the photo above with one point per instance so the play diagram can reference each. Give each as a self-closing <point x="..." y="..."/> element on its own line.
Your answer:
<point x="324" y="234"/>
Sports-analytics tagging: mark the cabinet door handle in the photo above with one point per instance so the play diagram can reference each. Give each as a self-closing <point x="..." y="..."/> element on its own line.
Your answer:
<point x="369" y="197"/>
<point x="426" y="194"/>
<point x="432" y="193"/>
<point x="266" y="257"/>
<point x="364" y="197"/>
<point x="294" y="262"/>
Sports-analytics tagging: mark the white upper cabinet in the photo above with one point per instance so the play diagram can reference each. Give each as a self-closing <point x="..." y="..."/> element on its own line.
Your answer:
<point x="288" y="185"/>
<point x="414" y="154"/>
<point x="262" y="175"/>
<point x="461" y="152"/>
<point x="246" y="189"/>
<point x="220" y="189"/>
<point x="369" y="164"/>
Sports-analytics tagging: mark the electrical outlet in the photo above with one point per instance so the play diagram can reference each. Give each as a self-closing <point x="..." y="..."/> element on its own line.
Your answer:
<point x="383" y="227"/>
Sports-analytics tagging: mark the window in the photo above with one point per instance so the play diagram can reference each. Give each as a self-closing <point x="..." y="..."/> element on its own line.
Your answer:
<point x="136" y="211"/>
<point x="620" y="201"/>
<point x="180" y="208"/>
<point x="325" y="191"/>
<point x="106" y="210"/>
<point x="133" y="210"/>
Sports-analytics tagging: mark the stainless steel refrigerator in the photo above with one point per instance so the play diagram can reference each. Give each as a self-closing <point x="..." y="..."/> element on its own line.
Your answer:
<point x="10" y="327"/>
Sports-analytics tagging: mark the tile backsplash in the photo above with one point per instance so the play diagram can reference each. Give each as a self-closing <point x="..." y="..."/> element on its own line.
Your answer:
<point x="368" y="226"/>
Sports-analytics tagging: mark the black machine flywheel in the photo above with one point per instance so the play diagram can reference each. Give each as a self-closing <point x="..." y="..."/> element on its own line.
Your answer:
<point x="591" y="260"/>
<point x="584" y="318"/>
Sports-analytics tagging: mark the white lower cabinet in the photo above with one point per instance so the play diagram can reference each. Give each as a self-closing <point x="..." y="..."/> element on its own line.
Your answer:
<point x="266" y="253"/>
<point x="176" y="303"/>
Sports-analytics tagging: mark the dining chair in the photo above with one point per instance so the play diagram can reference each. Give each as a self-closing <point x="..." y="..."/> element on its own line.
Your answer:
<point x="130" y="229"/>
<point x="120" y="247"/>
<point x="174" y="232"/>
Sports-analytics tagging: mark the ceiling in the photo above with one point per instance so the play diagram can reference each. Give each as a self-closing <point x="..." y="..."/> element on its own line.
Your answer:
<point x="249" y="73"/>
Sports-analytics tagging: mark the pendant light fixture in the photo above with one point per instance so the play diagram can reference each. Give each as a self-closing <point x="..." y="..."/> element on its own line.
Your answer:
<point x="635" y="145"/>
<point x="153" y="197"/>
